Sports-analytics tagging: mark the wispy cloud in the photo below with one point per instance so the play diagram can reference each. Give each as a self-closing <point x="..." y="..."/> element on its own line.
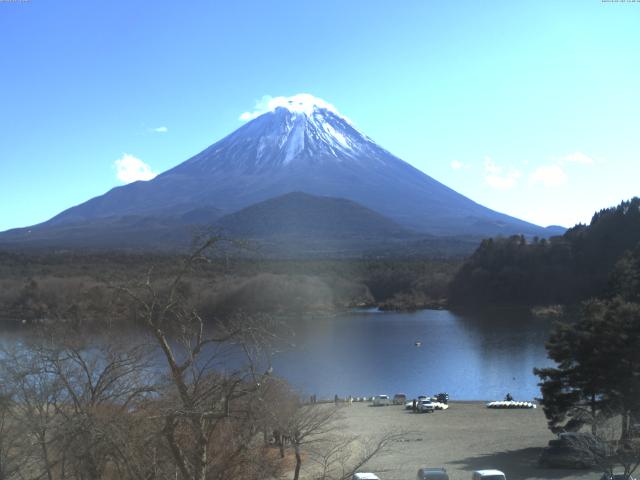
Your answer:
<point x="160" y="130"/>
<point x="497" y="177"/>
<point x="246" y="116"/>
<point x="576" y="157"/>
<point x="261" y="106"/>
<point x="458" y="165"/>
<point x="130" y="169"/>
<point x="549" y="176"/>
<point x="554" y="174"/>
<point x="302" y="102"/>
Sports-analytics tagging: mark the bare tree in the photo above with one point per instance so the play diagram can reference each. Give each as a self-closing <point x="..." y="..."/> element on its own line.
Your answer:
<point x="312" y="431"/>
<point x="189" y="396"/>
<point x="74" y="402"/>
<point x="606" y="451"/>
<point x="214" y="368"/>
<point x="34" y="397"/>
<point x="338" y="457"/>
<point x="12" y="439"/>
<point x="306" y="425"/>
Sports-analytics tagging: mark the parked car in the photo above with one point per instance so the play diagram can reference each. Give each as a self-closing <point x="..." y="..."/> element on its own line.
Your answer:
<point x="425" y="406"/>
<point x="365" y="476"/>
<point x="427" y="473"/>
<point x="616" y="476"/>
<point x="573" y="450"/>
<point x="488" y="475"/>
<point x="381" y="401"/>
<point x="399" y="399"/>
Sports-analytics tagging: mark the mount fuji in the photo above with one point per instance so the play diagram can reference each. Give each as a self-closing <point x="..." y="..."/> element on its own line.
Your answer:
<point x="300" y="144"/>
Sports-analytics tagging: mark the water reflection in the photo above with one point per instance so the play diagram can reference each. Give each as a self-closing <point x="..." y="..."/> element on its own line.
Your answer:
<point x="471" y="356"/>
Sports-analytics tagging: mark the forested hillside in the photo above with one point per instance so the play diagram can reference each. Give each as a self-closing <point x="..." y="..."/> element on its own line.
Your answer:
<point x="582" y="263"/>
<point x="84" y="286"/>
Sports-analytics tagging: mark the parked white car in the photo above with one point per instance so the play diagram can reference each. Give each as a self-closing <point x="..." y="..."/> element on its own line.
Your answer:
<point x="488" y="475"/>
<point x="365" y="476"/>
<point x="381" y="401"/>
<point x="425" y="406"/>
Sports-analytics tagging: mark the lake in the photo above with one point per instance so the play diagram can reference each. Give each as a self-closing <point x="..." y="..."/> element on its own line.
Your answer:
<point x="479" y="356"/>
<point x="471" y="356"/>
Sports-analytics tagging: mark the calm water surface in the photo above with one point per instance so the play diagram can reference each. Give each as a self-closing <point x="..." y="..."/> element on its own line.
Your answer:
<point x="470" y="356"/>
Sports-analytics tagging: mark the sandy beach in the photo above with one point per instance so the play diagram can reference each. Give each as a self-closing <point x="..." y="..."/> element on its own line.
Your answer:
<point x="466" y="437"/>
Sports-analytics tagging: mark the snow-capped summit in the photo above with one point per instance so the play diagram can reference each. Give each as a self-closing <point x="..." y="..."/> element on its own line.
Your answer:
<point x="300" y="103"/>
<point x="301" y="129"/>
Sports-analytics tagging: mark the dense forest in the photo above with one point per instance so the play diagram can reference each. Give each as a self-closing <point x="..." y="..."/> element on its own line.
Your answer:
<point x="84" y="286"/>
<point x="587" y="261"/>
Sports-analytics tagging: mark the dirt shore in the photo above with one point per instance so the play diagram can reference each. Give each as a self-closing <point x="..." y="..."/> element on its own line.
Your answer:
<point x="466" y="437"/>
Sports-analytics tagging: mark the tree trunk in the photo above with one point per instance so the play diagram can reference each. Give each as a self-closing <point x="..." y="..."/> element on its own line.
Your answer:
<point x="45" y="454"/>
<point x="594" y="413"/>
<point x="178" y="455"/>
<point x="200" y="472"/>
<point x="624" y="431"/>
<point x="296" y="473"/>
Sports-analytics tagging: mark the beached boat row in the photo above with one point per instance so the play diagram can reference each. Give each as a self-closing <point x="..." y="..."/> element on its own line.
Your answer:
<point x="510" y="404"/>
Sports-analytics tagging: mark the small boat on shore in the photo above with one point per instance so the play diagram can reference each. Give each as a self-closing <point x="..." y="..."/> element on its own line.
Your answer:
<point x="510" y="404"/>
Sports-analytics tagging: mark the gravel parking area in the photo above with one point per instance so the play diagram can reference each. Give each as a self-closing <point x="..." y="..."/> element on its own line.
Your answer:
<point x="466" y="437"/>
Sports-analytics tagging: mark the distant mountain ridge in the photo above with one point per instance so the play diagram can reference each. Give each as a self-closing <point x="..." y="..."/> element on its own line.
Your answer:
<point x="302" y="145"/>
<point x="299" y="214"/>
<point x="299" y="225"/>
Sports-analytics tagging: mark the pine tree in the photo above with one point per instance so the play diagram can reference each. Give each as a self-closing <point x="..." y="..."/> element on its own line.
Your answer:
<point x="598" y="367"/>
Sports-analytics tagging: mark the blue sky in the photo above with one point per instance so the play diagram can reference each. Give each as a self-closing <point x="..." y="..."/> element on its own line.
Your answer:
<point x="528" y="107"/>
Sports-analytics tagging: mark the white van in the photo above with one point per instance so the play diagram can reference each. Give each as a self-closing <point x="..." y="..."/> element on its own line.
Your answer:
<point x="381" y="400"/>
<point x="364" y="476"/>
<point x="488" y="475"/>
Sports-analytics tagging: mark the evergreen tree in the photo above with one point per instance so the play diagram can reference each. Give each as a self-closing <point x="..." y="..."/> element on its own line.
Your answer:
<point x="598" y="367"/>
<point x="566" y="269"/>
<point x="625" y="279"/>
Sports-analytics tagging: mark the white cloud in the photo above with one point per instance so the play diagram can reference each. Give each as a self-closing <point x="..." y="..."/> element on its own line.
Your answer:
<point x="302" y="102"/>
<point x="458" y="165"/>
<point x="130" y="169"/>
<point x="161" y="130"/>
<point x="555" y="174"/>
<point x="496" y="177"/>
<point x="246" y="116"/>
<point x="576" y="157"/>
<point x="490" y="166"/>
<point x="261" y="106"/>
<point x="549" y="176"/>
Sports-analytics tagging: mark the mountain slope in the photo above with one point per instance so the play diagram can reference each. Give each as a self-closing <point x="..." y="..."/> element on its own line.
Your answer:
<point x="302" y="215"/>
<point x="302" y="225"/>
<point x="301" y="145"/>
